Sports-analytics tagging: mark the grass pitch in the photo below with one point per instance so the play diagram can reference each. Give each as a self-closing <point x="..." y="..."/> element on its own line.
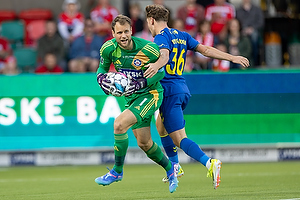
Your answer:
<point x="238" y="181"/>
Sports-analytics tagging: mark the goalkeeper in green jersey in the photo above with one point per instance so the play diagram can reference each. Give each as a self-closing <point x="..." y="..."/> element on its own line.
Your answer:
<point x="143" y="97"/>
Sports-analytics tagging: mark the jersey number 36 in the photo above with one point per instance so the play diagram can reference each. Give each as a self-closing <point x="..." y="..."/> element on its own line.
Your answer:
<point x="178" y="63"/>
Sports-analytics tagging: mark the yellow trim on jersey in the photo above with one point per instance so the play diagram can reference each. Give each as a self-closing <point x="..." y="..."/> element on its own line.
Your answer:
<point x="151" y="50"/>
<point x="147" y="107"/>
<point x="151" y="102"/>
<point x="105" y="45"/>
<point x="155" y="96"/>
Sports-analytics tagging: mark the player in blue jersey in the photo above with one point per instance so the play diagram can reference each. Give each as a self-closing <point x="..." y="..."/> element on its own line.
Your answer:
<point x="174" y="45"/>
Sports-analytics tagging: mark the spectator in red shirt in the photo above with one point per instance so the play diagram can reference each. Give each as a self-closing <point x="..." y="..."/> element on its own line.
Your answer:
<point x="191" y="14"/>
<point x="219" y="13"/>
<point x="70" y="21"/>
<point x="7" y="61"/>
<point x="204" y="36"/>
<point x="102" y="15"/>
<point x="220" y="65"/>
<point x="49" y="65"/>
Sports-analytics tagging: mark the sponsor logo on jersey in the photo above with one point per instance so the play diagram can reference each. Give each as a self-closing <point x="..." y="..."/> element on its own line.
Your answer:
<point x="132" y="72"/>
<point x="137" y="107"/>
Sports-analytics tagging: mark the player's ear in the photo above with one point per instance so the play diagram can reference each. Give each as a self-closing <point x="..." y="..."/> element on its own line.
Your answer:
<point x="113" y="33"/>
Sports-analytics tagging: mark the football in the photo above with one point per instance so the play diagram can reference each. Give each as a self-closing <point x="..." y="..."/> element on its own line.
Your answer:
<point x="118" y="79"/>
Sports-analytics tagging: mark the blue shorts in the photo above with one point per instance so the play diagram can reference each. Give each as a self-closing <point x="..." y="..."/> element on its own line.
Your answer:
<point x="171" y="111"/>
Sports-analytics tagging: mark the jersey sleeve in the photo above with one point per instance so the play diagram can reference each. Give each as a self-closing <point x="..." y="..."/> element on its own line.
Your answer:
<point x="152" y="52"/>
<point x="192" y="43"/>
<point x="162" y="42"/>
<point x="105" y="58"/>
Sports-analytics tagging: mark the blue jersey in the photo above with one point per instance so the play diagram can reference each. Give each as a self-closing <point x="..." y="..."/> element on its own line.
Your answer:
<point x="178" y="43"/>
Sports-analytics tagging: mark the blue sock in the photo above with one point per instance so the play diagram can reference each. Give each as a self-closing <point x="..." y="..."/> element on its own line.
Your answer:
<point x="193" y="150"/>
<point x="170" y="148"/>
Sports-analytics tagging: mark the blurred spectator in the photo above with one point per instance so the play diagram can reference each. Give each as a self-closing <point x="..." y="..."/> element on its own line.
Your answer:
<point x="191" y="14"/>
<point x="220" y="65"/>
<point x="237" y="43"/>
<point x="102" y="15"/>
<point x="219" y="13"/>
<point x="49" y="65"/>
<point x="204" y="36"/>
<point x="190" y="65"/>
<point x="178" y="24"/>
<point x="8" y="63"/>
<point x="52" y="42"/>
<point x="137" y="22"/>
<point x="252" y="20"/>
<point x="70" y="21"/>
<point x="84" y="51"/>
<point x="162" y="3"/>
<point x="5" y="51"/>
<point x="205" y="3"/>
<point x="145" y="33"/>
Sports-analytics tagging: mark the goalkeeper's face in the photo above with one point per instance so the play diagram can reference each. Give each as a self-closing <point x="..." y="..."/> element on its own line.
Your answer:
<point x="123" y="33"/>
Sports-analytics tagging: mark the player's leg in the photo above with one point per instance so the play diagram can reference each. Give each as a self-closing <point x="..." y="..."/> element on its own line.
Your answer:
<point x="193" y="150"/>
<point x="121" y="124"/>
<point x="143" y="108"/>
<point x="169" y="146"/>
<point x="166" y="140"/>
<point x="174" y="123"/>
<point x="154" y="152"/>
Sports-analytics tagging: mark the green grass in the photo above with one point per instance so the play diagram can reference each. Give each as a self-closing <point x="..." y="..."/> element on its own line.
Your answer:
<point x="239" y="181"/>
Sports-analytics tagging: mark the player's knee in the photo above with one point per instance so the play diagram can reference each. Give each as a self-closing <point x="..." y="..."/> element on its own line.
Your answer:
<point x="118" y="127"/>
<point x="144" y="145"/>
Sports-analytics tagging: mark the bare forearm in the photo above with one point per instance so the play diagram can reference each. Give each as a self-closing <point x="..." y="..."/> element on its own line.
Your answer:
<point x="212" y="52"/>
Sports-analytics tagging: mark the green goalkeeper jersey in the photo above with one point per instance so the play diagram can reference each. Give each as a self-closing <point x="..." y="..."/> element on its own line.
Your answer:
<point x="132" y="62"/>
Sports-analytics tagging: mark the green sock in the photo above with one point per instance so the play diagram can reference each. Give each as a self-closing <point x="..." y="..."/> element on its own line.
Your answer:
<point x="155" y="154"/>
<point x="120" y="149"/>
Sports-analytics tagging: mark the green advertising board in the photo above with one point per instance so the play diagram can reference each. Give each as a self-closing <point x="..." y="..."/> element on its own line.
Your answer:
<point x="71" y="111"/>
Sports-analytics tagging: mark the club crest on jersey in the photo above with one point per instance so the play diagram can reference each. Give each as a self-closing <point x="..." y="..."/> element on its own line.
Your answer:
<point x="137" y="62"/>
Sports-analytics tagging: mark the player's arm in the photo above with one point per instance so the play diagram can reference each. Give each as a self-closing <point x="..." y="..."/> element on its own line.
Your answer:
<point x="104" y="65"/>
<point x="154" y="67"/>
<point x="137" y="84"/>
<point x="217" y="54"/>
<point x="160" y="74"/>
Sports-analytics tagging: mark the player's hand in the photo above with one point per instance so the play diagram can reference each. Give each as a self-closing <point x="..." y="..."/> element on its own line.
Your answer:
<point x="241" y="60"/>
<point x="151" y="71"/>
<point x="134" y="85"/>
<point x="104" y="83"/>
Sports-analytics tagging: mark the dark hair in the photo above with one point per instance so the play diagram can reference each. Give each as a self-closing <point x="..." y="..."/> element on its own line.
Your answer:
<point x="122" y="19"/>
<point x="157" y="12"/>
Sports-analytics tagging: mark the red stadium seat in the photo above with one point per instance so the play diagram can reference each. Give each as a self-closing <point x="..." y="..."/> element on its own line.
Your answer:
<point x="31" y="15"/>
<point x="7" y="15"/>
<point x="35" y="14"/>
<point x="35" y="29"/>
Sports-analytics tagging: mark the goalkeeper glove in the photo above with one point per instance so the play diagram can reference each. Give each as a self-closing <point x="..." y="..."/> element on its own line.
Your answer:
<point x="104" y="83"/>
<point x="134" y="85"/>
